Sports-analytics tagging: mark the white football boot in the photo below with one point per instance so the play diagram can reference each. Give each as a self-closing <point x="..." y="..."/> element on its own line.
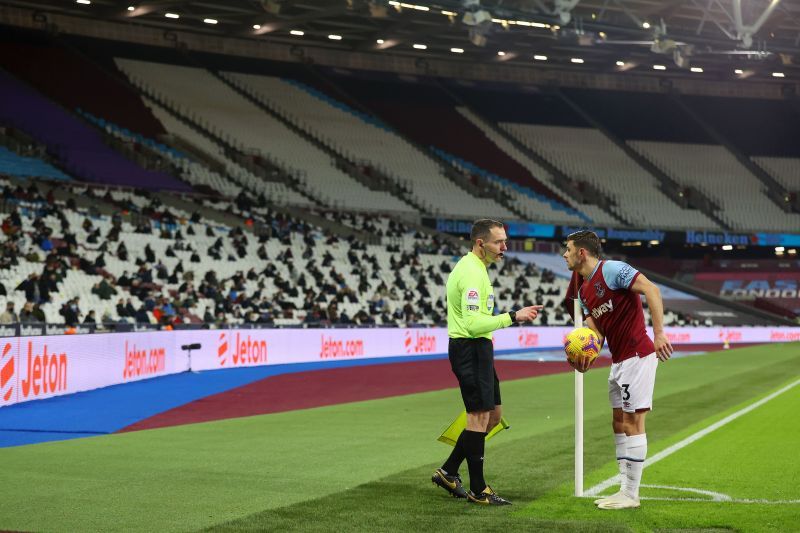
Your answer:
<point x="619" y="501"/>
<point x="601" y="499"/>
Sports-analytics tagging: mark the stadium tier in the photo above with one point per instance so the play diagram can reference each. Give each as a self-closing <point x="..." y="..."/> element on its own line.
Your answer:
<point x="78" y="147"/>
<point x="738" y="194"/>
<point x="272" y="135"/>
<point x="587" y="155"/>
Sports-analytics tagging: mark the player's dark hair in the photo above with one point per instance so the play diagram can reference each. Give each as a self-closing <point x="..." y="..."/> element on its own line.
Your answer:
<point x="587" y="240"/>
<point x="482" y="227"/>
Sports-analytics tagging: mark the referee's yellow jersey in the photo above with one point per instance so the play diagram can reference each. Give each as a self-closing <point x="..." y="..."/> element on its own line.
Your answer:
<point x="470" y="301"/>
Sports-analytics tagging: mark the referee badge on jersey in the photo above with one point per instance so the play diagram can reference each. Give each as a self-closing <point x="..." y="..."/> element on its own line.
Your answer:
<point x="473" y="297"/>
<point x="599" y="289"/>
<point x="490" y="302"/>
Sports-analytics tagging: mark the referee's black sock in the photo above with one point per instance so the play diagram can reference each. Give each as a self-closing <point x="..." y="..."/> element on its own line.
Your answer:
<point x="457" y="456"/>
<point x="474" y="442"/>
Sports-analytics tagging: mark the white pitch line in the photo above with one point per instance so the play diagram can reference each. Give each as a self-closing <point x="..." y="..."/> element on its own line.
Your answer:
<point x="603" y="485"/>
<point x="760" y="502"/>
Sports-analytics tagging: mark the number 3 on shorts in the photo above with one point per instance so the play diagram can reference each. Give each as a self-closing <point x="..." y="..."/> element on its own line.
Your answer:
<point x="626" y="395"/>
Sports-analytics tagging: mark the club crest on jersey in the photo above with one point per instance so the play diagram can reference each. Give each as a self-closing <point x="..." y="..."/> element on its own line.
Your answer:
<point x="599" y="289"/>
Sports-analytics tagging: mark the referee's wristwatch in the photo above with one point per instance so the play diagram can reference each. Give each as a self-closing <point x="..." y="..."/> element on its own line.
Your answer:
<point x="513" y="315"/>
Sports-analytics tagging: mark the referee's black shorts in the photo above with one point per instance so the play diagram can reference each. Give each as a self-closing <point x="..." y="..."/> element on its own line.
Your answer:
<point x="472" y="361"/>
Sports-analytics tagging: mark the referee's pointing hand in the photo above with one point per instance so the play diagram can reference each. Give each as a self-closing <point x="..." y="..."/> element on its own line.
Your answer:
<point x="527" y="314"/>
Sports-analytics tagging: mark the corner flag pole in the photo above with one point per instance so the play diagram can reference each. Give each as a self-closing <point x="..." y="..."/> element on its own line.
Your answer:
<point x="578" y="314"/>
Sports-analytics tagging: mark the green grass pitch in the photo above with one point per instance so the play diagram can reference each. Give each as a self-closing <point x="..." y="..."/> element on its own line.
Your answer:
<point x="366" y="466"/>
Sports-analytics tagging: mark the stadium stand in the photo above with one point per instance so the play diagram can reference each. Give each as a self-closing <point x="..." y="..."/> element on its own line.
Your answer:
<point x="739" y="195"/>
<point x="594" y="213"/>
<point x="75" y="82"/>
<point x="428" y="116"/>
<point x="584" y="153"/>
<point x="259" y="146"/>
<point x="211" y="102"/>
<point x="13" y="164"/>
<point x="173" y="268"/>
<point x="78" y="147"/>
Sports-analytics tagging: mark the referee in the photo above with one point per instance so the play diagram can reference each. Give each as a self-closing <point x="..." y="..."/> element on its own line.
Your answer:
<point x="470" y="323"/>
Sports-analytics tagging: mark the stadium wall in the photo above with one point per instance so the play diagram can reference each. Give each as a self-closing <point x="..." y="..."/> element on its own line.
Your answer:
<point x="33" y="368"/>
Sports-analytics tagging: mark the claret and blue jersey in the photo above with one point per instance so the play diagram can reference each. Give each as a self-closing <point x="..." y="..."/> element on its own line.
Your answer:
<point x="617" y="311"/>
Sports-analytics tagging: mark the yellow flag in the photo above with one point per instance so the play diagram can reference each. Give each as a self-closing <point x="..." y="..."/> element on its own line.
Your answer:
<point x="450" y="435"/>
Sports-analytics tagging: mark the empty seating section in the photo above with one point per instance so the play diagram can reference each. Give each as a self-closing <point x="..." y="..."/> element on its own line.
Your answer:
<point x="533" y="208"/>
<point x="713" y="170"/>
<point x="12" y="164"/>
<point x="76" y="82"/>
<point x="369" y="143"/>
<point x="586" y="154"/>
<point x="236" y="177"/>
<point x="78" y="146"/>
<point x="207" y="100"/>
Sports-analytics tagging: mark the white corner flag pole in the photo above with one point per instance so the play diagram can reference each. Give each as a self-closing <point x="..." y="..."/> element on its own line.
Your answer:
<point x="578" y="313"/>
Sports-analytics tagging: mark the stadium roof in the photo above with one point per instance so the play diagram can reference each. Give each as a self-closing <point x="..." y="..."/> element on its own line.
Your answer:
<point x="756" y="37"/>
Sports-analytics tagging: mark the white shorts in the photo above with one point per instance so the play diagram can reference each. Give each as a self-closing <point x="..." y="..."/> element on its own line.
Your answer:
<point x="631" y="383"/>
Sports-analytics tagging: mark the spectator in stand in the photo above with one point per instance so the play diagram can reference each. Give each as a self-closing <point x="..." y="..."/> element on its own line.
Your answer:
<point x="9" y="316"/>
<point x="31" y="288"/>
<point x="104" y="290"/>
<point x="141" y="316"/>
<point x="121" y="311"/>
<point x="71" y="312"/>
<point x="26" y="316"/>
<point x="90" y="318"/>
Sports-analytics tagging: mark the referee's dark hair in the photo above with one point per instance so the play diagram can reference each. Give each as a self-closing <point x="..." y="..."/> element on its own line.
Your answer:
<point x="482" y="227"/>
<point x="588" y="240"/>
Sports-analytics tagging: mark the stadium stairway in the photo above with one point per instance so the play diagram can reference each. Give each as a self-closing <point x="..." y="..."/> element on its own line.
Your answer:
<point x="342" y="163"/>
<point x="561" y="185"/>
<point x="261" y="167"/>
<point x="586" y="200"/>
<point x="429" y="118"/>
<point x="373" y="144"/>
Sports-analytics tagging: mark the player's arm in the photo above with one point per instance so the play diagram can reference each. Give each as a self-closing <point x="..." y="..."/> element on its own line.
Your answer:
<point x="477" y="323"/>
<point x="583" y="364"/>
<point x="591" y="324"/>
<point x="652" y="294"/>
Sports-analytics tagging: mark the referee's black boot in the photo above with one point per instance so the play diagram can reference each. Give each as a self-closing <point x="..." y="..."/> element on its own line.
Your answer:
<point x="487" y="497"/>
<point x="451" y="484"/>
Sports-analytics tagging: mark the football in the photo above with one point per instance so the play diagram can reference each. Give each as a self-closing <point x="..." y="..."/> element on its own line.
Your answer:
<point x="582" y="342"/>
